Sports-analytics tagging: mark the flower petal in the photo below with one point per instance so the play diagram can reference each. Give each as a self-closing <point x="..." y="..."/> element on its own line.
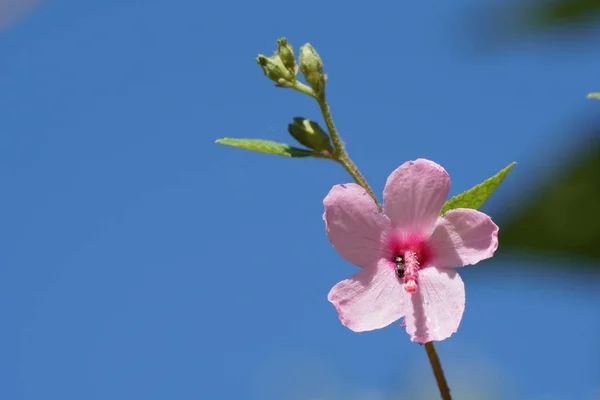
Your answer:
<point x="371" y="299"/>
<point x="415" y="194"/>
<point x="464" y="236"/>
<point x="436" y="309"/>
<point x="354" y="224"/>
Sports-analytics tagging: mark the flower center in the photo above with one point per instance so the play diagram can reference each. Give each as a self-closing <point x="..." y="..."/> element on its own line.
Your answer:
<point x="409" y="254"/>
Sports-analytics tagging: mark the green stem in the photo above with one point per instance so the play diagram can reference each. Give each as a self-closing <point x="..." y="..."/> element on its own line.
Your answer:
<point x="340" y="151"/>
<point x="341" y="156"/>
<point x="302" y="88"/>
<point x="325" y="154"/>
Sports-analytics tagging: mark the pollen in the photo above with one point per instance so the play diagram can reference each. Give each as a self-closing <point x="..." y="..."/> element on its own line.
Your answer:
<point x="412" y="265"/>
<point x="410" y="286"/>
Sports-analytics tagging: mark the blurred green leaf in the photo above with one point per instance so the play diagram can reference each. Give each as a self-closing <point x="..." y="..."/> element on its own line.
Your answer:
<point x="561" y="219"/>
<point x="266" y="146"/>
<point x="500" y="24"/>
<point x="595" y="95"/>
<point x="477" y="195"/>
<point x="551" y="13"/>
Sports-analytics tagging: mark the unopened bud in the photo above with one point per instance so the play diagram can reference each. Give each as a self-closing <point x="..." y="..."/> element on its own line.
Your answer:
<point x="285" y="51"/>
<point x="275" y="70"/>
<point x="312" y="68"/>
<point x="310" y="134"/>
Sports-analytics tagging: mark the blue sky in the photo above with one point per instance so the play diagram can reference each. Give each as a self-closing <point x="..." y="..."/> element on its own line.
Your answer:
<point x="141" y="260"/>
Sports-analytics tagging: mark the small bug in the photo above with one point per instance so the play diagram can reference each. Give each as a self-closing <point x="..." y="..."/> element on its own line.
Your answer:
<point x="399" y="266"/>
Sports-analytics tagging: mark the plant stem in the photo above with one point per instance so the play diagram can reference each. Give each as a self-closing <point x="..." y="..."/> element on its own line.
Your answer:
<point x="341" y="156"/>
<point x="438" y="372"/>
<point x="340" y="151"/>
<point x="302" y="88"/>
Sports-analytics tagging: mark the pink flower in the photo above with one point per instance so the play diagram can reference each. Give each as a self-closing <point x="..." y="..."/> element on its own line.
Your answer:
<point x="407" y="252"/>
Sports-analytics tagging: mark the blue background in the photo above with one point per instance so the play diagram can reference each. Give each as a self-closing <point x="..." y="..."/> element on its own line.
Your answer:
<point x="139" y="260"/>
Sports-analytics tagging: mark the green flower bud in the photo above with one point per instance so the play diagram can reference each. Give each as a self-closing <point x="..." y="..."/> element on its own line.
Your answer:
<point x="312" y="68"/>
<point x="285" y="51"/>
<point x="275" y="70"/>
<point x="310" y="134"/>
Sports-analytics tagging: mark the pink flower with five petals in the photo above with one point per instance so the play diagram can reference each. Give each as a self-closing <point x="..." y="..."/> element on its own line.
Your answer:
<point x="407" y="252"/>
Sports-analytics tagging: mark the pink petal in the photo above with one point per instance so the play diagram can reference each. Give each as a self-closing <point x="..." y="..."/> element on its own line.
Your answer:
<point x="464" y="236"/>
<point x="354" y="224"/>
<point x="436" y="309"/>
<point x="371" y="299"/>
<point x="414" y="195"/>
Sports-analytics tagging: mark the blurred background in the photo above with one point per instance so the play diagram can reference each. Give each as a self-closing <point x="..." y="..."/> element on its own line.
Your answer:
<point x="139" y="260"/>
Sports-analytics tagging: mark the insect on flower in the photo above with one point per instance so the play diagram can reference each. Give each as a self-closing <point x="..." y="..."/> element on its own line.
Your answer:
<point x="407" y="252"/>
<point x="399" y="266"/>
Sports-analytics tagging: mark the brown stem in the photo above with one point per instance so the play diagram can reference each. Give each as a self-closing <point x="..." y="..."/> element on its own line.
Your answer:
<point x="434" y="360"/>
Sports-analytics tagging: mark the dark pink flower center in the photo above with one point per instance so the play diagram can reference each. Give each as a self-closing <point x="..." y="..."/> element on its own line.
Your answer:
<point x="408" y="254"/>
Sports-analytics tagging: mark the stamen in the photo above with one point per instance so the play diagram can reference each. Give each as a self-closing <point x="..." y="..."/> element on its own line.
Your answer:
<point x="411" y="286"/>
<point x="411" y="271"/>
<point x="409" y="253"/>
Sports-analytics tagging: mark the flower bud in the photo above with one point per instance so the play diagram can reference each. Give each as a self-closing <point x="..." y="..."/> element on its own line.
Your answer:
<point x="285" y="51"/>
<point x="310" y="134"/>
<point x="275" y="70"/>
<point x="312" y="68"/>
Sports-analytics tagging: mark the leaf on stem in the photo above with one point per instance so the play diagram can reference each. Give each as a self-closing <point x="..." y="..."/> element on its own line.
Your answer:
<point x="477" y="195"/>
<point x="266" y="146"/>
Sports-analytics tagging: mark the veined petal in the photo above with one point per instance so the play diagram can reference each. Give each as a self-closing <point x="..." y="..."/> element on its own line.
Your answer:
<point x="462" y="237"/>
<point x="415" y="194"/>
<point x="354" y="224"/>
<point x="434" y="312"/>
<point x="371" y="299"/>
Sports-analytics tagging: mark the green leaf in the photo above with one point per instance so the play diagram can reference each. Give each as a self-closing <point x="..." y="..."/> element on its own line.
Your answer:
<point x="504" y="23"/>
<point x="559" y="217"/>
<point x="477" y="195"/>
<point x="567" y="13"/>
<point x="595" y="95"/>
<point x="266" y="146"/>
